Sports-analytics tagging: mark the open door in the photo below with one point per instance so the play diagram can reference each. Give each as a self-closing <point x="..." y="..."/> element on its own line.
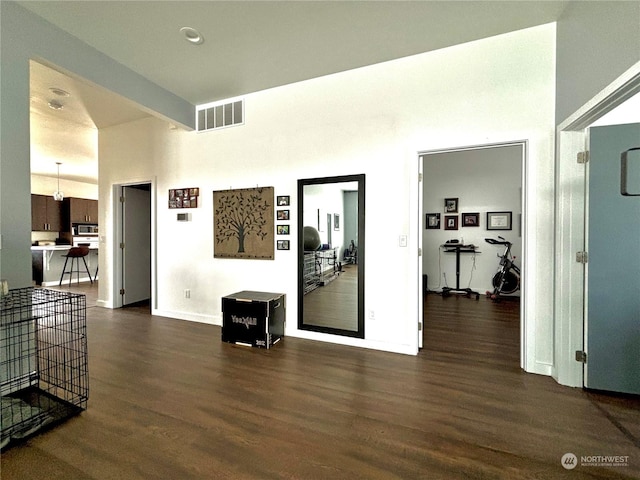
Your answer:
<point x="136" y="238"/>
<point x="612" y="312"/>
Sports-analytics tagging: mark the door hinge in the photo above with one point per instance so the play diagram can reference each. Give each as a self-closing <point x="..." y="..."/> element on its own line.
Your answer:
<point x="581" y="356"/>
<point x="419" y="252"/>
<point x="582" y="257"/>
<point x="122" y="291"/>
<point x="419" y="326"/>
<point x="122" y="246"/>
<point x="583" y="157"/>
<point x="419" y="177"/>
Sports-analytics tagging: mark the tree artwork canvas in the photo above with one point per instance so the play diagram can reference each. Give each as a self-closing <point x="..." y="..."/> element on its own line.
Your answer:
<point x="243" y="223"/>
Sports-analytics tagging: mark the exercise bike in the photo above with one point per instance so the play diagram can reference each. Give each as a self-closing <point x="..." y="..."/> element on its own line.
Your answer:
<point x="507" y="278"/>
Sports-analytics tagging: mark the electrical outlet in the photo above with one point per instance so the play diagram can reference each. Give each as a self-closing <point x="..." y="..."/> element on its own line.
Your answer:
<point x="372" y="315"/>
<point x="187" y="293"/>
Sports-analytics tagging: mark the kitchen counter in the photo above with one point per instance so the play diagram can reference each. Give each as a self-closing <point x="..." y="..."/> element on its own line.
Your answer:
<point x="48" y="262"/>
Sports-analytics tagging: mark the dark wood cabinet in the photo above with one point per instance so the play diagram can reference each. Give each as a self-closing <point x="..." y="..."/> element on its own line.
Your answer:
<point x="83" y="210"/>
<point x="46" y="214"/>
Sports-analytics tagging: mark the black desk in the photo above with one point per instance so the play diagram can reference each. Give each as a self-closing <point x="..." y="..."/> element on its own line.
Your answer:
<point x="459" y="248"/>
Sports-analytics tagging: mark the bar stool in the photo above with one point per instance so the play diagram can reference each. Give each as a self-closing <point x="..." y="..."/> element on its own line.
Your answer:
<point x="75" y="254"/>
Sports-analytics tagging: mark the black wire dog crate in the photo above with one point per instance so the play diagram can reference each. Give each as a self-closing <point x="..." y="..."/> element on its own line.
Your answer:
<point x="43" y="360"/>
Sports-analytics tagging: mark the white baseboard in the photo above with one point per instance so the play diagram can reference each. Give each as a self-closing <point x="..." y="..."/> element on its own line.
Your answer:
<point x="191" y="317"/>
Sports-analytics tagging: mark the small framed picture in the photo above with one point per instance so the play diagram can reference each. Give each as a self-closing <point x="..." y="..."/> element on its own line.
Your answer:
<point x="336" y="221"/>
<point x="470" y="219"/>
<point x="283" y="229"/>
<point x="498" y="220"/>
<point x="432" y="221"/>
<point x="282" y="214"/>
<point x="283" y="200"/>
<point x="451" y="205"/>
<point x="451" y="222"/>
<point x="184" y="197"/>
<point x="282" y="244"/>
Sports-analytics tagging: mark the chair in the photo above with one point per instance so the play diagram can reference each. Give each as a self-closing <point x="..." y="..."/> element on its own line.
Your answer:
<point x="351" y="253"/>
<point x="75" y="254"/>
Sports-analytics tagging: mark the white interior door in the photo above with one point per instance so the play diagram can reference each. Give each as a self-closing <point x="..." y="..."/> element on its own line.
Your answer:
<point x="136" y="236"/>
<point x="612" y="313"/>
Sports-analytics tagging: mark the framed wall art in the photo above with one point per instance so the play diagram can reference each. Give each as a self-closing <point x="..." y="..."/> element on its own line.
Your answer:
<point x="282" y="214"/>
<point x="432" y="221"/>
<point x="243" y="224"/>
<point x="451" y="222"/>
<point x="184" y="197"/>
<point x="283" y="200"/>
<point x="470" y="219"/>
<point x="283" y="244"/>
<point x="498" y="220"/>
<point x="451" y="205"/>
<point x="282" y="229"/>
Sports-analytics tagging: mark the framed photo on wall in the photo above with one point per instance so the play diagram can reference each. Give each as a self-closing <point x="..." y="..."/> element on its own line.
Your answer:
<point x="282" y="230"/>
<point x="432" y="221"/>
<point x="283" y="200"/>
<point x="282" y="244"/>
<point x="451" y="222"/>
<point x="470" y="219"/>
<point x="498" y="220"/>
<point x="282" y="214"/>
<point x="451" y="205"/>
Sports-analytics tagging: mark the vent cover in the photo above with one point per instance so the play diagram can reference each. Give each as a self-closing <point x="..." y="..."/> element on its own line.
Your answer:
<point x="213" y="116"/>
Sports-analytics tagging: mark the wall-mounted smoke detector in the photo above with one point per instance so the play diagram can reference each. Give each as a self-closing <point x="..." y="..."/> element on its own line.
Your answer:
<point x="55" y="105"/>
<point x="192" y="35"/>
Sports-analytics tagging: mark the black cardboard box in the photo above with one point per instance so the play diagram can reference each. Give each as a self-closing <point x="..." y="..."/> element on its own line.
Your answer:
<point x="253" y="318"/>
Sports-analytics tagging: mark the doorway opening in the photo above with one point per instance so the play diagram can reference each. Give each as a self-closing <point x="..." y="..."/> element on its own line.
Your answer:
<point x="469" y="195"/>
<point x="134" y="255"/>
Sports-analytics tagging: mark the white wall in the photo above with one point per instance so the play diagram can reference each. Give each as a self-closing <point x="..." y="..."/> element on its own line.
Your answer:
<point x="372" y="120"/>
<point x="328" y="199"/>
<point x="483" y="180"/>
<point x="43" y="185"/>
<point x="596" y="43"/>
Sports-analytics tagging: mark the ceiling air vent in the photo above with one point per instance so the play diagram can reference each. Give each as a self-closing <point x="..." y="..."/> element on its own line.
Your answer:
<point x="213" y="116"/>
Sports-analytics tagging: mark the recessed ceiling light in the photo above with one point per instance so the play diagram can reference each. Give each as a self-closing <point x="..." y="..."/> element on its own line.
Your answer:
<point x="192" y="35"/>
<point x="59" y="92"/>
<point x="55" y="105"/>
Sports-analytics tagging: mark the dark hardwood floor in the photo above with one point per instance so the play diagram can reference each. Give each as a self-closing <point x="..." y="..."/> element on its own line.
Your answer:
<point x="335" y="305"/>
<point x="169" y="400"/>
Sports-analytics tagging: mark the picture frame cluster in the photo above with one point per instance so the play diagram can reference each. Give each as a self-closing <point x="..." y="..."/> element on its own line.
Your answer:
<point x="184" y="197"/>
<point x="283" y="214"/>
<point x="452" y="220"/>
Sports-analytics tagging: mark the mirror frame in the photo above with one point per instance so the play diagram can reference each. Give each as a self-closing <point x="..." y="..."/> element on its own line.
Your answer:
<point x="360" y="179"/>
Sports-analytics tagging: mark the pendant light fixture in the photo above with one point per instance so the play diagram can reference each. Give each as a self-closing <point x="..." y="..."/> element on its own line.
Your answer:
<point x="58" y="195"/>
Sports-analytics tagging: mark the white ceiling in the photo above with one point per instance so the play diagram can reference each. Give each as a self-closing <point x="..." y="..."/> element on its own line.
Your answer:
<point x="249" y="46"/>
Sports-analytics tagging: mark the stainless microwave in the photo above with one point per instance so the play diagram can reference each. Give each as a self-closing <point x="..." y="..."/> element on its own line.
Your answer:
<point x="85" y="229"/>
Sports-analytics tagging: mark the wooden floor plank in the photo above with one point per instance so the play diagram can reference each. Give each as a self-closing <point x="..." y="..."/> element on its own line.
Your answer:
<point x="170" y="400"/>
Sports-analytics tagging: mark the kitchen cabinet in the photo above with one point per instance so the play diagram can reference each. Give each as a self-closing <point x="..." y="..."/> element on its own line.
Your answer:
<point x="46" y="214"/>
<point x="82" y="210"/>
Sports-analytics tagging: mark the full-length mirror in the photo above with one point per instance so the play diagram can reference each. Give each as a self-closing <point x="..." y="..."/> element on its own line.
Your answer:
<point x="331" y="255"/>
